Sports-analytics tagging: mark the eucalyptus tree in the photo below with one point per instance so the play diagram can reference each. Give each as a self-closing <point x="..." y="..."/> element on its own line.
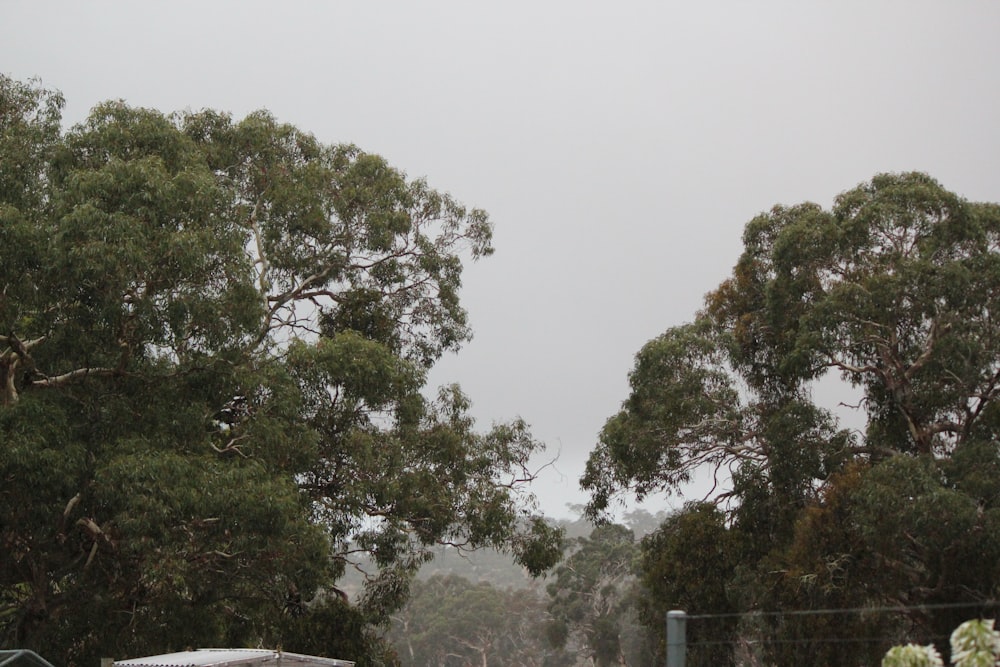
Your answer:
<point x="894" y="290"/>
<point x="214" y="340"/>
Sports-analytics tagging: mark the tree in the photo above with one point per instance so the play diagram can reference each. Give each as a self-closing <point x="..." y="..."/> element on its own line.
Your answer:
<point x="895" y="289"/>
<point x="688" y="563"/>
<point x="453" y="621"/>
<point x="592" y="599"/>
<point x="214" y="336"/>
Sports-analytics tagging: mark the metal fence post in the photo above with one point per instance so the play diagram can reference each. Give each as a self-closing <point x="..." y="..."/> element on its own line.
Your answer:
<point x="676" y="638"/>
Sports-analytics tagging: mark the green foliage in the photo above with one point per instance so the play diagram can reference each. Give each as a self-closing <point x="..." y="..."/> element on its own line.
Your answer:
<point x="330" y="626"/>
<point x="451" y="621"/>
<point x="688" y="563"/>
<point x="894" y="289"/>
<point x="592" y="599"/>
<point x="214" y="338"/>
<point x="680" y="401"/>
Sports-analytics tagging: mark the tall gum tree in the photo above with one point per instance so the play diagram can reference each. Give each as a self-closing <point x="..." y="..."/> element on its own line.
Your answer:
<point x="214" y="337"/>
<point x="895" y="289"/>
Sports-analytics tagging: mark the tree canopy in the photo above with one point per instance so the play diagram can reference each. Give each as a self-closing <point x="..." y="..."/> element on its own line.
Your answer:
<point x="214" y="341"/>
<point x="895" y="291"/>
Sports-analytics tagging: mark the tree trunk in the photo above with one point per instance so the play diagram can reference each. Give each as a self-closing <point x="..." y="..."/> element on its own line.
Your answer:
<point x="8" y="370"/>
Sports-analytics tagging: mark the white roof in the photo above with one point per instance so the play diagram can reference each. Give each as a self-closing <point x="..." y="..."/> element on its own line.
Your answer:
<point x="233" y="657"/>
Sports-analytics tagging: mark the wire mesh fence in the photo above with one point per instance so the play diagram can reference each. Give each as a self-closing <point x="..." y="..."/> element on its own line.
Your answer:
<point x="845" y="637"/>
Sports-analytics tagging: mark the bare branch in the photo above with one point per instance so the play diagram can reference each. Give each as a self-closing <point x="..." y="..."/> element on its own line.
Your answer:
<point x="262" y="278"/>
<point x="28" y="344"/>
<point x="66" y="378"/>
<point x="844" y="366"/>
<point x="232" y="446"/>
<point x="928" y="349"/>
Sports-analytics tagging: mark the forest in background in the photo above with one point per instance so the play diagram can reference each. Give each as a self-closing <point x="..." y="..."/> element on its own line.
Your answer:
<point x="481" y="608"/>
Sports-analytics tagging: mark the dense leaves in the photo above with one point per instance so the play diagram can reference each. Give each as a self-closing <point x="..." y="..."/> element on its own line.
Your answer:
<point x="214" y="336"/>
<point x="673" y="578"/>
<point x="895" y="291"/>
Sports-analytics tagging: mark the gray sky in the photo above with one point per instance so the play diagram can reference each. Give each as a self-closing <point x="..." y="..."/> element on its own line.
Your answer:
<point x="619" y="147"/>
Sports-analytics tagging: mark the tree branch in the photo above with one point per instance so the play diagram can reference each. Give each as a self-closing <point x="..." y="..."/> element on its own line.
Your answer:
<point x="66" y="378"/>
<point x="925" y="356"/>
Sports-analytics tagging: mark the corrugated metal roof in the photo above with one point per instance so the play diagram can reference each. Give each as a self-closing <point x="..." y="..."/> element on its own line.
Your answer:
<point x="233" y="657"/>
<point x="22" y="658"/>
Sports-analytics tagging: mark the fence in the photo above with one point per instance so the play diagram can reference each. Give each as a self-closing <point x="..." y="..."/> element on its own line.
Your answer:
<point x="833" y="637"/>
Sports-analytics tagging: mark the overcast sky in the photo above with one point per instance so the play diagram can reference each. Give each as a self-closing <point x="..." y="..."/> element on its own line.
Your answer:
<point x="620" y="147"/>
